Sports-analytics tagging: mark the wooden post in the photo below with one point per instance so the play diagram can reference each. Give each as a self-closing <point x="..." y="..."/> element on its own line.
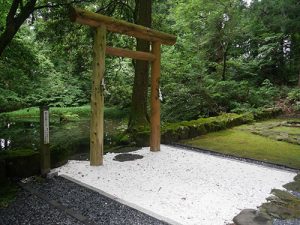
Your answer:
<point x="44" y="140"/>
<point x="97" y="98"/>
<point x="155" y="101"/>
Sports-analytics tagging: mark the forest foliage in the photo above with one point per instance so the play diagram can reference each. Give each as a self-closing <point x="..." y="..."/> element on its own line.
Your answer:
<point x="229" y="57"/>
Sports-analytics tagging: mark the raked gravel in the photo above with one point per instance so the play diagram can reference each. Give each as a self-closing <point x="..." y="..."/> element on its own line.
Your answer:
<point x="185" y="186"/>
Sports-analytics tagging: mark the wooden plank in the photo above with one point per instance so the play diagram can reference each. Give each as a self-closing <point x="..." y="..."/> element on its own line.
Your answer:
<point x="120" y="26"/>
<point x="97" y="97"/>
<point x="146" y="56"/>
<point x="155" y="101"/>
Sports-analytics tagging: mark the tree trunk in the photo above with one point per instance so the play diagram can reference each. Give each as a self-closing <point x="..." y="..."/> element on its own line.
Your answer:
<point x="14" y="22"/>
<point x="6" y="37"/>
<point x="138" y="116"/>
<point x="224" y="64"/>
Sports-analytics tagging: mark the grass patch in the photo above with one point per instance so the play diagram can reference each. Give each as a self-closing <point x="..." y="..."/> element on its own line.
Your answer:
<point x="244" y="144"/>
<point x="8" y="193"/>
<point x="68" y="113"/>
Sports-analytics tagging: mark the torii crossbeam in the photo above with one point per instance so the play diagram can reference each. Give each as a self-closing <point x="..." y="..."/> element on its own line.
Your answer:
<point x="102" y="24"/>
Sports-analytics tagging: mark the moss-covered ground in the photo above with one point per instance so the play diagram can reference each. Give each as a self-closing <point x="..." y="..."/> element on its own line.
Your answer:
<point x="241" y="141"/>
<point x="290" y="130"/>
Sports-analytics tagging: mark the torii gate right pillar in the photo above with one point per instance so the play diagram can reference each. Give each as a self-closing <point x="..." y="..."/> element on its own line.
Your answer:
<point x="155" y="98"/>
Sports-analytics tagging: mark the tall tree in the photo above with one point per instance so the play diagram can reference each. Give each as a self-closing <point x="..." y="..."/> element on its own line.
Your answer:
<point x="17" y="14"/>
<point x="280" y="18"/>
<point x="14" y="13"/>
<point x="138" y="115"/>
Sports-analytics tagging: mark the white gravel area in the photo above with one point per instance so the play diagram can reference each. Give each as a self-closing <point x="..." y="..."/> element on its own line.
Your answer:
<point x="188" y="187"/>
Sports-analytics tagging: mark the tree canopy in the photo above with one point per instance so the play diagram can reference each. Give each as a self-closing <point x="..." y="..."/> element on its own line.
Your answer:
<point x="230" y="56"/>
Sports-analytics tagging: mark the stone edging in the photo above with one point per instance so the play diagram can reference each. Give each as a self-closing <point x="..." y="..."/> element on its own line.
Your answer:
<point x="134" y="206"/>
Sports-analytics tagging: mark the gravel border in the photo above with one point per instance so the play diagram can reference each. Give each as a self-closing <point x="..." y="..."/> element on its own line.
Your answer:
<point x="57" y="200"/>
<point x="29" y="209"/>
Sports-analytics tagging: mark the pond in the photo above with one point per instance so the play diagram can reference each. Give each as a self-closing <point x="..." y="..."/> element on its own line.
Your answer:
<point x="66" y="138"/>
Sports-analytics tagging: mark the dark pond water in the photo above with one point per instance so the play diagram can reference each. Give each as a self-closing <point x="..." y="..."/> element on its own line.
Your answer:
<point x="71" y="135"/>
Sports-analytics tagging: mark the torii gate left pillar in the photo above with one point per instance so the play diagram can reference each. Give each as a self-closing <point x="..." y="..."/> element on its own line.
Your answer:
<point x="97" y="97"/>
<point x="102" y="24"/>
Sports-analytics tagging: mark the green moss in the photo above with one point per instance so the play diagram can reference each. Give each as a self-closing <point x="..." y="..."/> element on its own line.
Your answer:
<point x="289" y="130"/>
<point x="244" y="144"/>
<point x="279" y="130"/>
<point x="188" y="129"/>
<point x="262" y="114"/>
<point x="8" y="193"/>
<point x="17" y="153"/>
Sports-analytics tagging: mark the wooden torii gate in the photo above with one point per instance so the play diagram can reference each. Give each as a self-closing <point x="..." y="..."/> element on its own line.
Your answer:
<point x="102" y="24"/>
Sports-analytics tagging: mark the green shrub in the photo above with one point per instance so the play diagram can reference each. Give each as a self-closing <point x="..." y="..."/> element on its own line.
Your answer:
<point x="228" y="94"/>
<point x="294" y="95"/>
<point x="264" y="95"/>
<point x="183" y="102"/>
<point x="67" y="113"/>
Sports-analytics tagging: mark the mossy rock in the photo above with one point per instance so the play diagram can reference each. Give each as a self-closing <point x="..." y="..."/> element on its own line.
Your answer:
<point x="201" y="129"/>
<point x="282" y="205"/>
<point x="241" y="119"/>
<point x="267" y="113"/>
<point x="196" y="130"/>
<point x="183" y="132"/>
<point x="281" y="211"/>
<point x="173" y="132"/>
<point x="252" y="217"/>
<point x="285" y="197"/>
<point x="141" y="138"/>
<point x="293" y="186"/>
<point x="297" y="178"/>
<point x="169" y="135"/>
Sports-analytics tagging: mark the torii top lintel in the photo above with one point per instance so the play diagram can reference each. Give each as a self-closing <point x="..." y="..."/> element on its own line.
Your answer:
<point x="120" y="26"/>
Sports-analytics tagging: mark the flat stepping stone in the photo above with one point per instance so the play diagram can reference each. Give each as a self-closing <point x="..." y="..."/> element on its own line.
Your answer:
<point x="251" y="217"/>
<point x="127" y="157"/>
